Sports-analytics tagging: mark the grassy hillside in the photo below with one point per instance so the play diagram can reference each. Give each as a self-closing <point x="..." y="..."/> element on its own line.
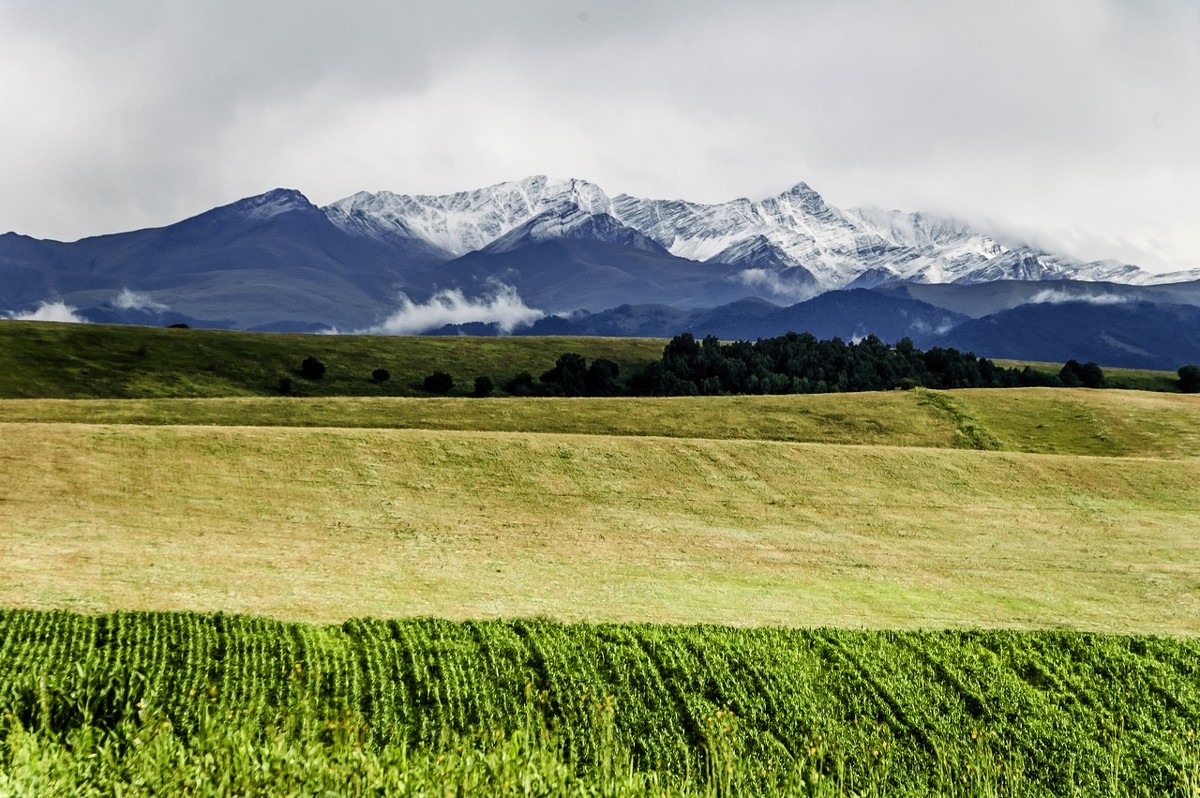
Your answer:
<point x="325" y="524"/>
<point x="71" y="361"/>
<point x="1123" y="378"/>
<point x="78" y="361"/>
<point x="1045" y="420"/>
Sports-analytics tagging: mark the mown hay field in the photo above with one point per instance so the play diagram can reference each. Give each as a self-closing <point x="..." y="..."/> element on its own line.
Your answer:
<point x="328" y="523"/>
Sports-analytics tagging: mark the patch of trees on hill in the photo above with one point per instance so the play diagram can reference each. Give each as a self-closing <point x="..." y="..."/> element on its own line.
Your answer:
<point x="792" y="363"/>
<point x="800" y="363"/>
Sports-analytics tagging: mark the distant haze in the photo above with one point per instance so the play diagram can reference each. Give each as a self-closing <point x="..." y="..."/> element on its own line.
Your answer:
<point x="1071" y="125"/>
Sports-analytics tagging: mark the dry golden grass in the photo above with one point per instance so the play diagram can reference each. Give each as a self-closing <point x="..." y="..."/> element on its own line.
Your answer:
<point x="323" y="524"/>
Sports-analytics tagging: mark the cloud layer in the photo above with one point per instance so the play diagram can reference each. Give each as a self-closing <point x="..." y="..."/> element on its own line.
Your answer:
<point x="1075" y="120"/>
<point x="1052" y="296"/>
<point x="50" y="311"/>
<point x="504" y="308"/>
<point x="133" y="300"/>
<point x="777" y="283"/>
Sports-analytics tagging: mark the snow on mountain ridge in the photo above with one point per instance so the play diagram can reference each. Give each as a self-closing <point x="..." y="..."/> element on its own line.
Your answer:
<point x="465" y="221"/>
<point x="565" y="220"/>
<point x="795" y="229"/>
<point x="272" y="203"/>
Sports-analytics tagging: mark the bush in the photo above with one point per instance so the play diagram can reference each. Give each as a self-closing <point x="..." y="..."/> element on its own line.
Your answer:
<point x="569" y="374"/>
<point x="381" y="375"/>
<point x="601" y="378"/>
<point x="312" y="369"/>
<point x="1189" y="378"/>
<point x="1075" y="374"/>
<point x="285" y="385"/>
<point x="520" y="384"/>
<point x="483" y="387"/>
<point x="438" y="382"/>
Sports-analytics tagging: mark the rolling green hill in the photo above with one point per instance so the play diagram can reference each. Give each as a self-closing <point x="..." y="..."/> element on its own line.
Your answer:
<point x="1045" y="420"/>
<point x="70" y="361"/>
<point x="67" y="361"/>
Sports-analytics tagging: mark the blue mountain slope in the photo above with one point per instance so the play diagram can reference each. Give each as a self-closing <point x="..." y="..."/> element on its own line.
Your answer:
<point x="1129" y="334"/>
<point x="983" y="299"/>
<point x="568" y="274"/>
<point x="845" y="314"/>
<point x="266" y="259"/>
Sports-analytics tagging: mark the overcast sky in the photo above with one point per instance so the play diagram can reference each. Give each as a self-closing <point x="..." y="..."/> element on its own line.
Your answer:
<point x="1077" y="123"/>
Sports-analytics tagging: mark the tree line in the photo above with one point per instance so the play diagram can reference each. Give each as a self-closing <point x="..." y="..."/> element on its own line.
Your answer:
<point x="791" y="363"/>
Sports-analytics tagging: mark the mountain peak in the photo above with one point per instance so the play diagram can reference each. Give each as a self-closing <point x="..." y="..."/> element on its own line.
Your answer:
<point x="466" y="220"/>
<point x="272" y="203"/>
<point x="565" y="219"/>
<point x="801" y="189"/>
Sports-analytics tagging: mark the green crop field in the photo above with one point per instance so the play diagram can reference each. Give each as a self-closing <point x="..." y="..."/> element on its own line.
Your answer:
<point x="633" y="708"/>
<point x="1052" y="535"/>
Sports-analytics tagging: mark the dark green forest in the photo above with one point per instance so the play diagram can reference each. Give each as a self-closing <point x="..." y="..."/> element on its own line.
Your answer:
<point x="792" y="363"/>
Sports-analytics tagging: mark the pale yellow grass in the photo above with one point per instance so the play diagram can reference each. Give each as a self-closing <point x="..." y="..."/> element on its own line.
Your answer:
<point x="324" y="524"/>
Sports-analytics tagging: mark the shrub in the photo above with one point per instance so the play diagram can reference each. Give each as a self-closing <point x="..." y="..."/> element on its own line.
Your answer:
<point x="312" y="369"/>
<point x="601" y="378"/>
<point x="569" y="373"/>
<point x="285" y="385"/>
<point x="1075" y="374"/>
<point x="483" y="387"/>
<point x="381" y="375"/>
<point x="520" y="384"/>
<point x="1189" y="378"/>
<point x="438" y="382"/>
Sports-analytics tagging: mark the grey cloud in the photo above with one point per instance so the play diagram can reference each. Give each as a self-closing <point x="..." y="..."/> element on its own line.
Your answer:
<point x="1074" y="121"/>
<point x="503" y="307"/>
<point x="134" y="300"/>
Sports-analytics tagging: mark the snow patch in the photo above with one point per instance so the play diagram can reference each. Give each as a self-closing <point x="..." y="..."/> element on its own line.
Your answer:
<point x="504" y="307"/>
<point x="50" y="311"/>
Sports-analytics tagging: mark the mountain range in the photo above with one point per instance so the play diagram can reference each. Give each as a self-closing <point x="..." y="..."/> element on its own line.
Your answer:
<point x="560" y="255"/>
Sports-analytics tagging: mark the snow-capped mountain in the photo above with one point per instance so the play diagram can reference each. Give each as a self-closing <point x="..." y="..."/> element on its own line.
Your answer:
<point x="465" y="221"/>
<point x="564" y="248"/>
<point x="797" y="239"/>
<point x="567" y="220"/>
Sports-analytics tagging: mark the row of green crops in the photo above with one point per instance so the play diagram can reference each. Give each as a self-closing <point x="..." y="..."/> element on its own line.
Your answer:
<point x="1072" y="713"/>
